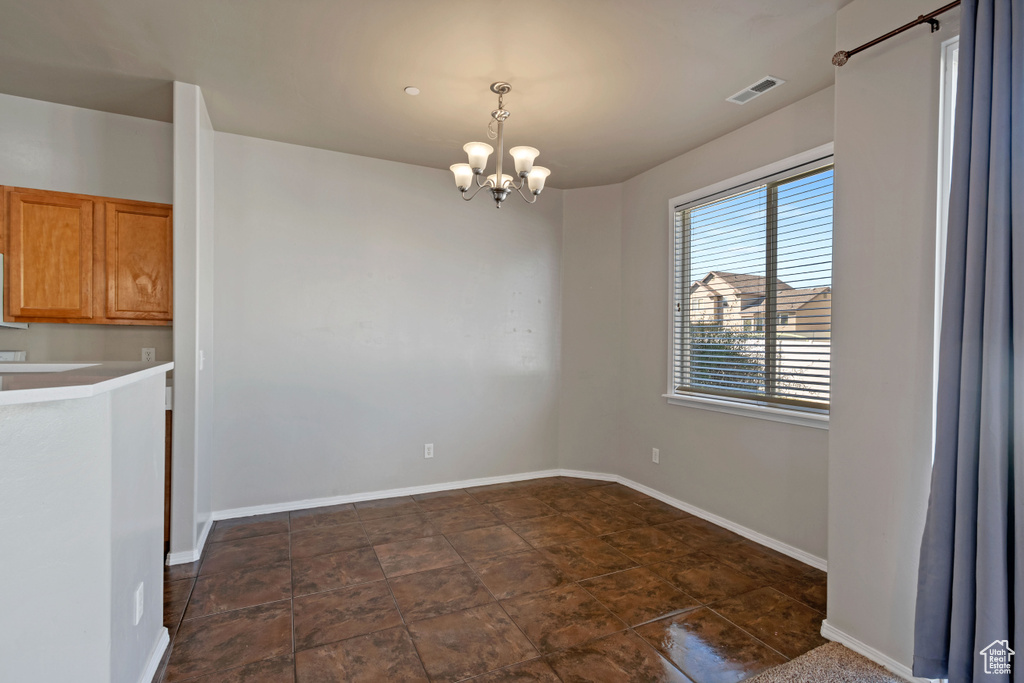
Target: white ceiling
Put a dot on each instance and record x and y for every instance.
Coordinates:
(604, 88)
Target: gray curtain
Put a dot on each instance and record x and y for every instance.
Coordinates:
(970, 579)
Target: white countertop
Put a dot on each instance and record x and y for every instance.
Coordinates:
(35, 382)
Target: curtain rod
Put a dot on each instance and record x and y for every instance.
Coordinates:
(843, 56)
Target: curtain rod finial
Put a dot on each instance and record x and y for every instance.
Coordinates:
(840, 58)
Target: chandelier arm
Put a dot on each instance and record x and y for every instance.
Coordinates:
(532, 199)
(480, 181)
(478, 188)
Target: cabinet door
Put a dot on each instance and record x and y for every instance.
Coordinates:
(50, 255)
(139, 261)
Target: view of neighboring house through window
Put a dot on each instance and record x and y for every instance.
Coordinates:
(753, 292)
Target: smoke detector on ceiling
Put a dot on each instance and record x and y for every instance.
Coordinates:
(759, 87)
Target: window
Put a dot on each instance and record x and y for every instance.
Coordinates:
(765, 243)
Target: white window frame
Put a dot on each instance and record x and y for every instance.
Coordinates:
(762, 410)
(947, 108)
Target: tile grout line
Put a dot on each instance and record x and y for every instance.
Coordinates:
(391, 592)
(747, 631)
(709, 607)
(725, 618)
(643, 640)
(291, 599)
(291, 603)
(540, 654)
(497, 601)
(184, 610)
(502, 522)
(405, 625)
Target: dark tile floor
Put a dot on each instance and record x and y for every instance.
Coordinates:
(546, 580)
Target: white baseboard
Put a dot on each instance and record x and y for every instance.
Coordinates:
(902, 670)
(597, 476)
(235, 513)
(186, 556)
(203, 535)
(183, 557)
(156, 654)
(755, 536)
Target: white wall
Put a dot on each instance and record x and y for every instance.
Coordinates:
(54, 510)
(886, 143)
(68, 149)
(364, 309)
(766, 476)
(136, 517)
(205, 453)
(589, 403)
(81, 521)
(193, 323)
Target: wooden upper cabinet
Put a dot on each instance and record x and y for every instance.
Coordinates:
(81, 259)
(49, 255)
(139, 261)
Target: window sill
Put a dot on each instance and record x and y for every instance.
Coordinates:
(755, 410)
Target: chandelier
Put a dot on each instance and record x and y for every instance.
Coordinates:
(500, 184)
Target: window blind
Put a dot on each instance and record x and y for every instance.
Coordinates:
(753, 292)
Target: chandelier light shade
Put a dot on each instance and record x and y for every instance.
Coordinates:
(478, 153)
(536, 179)
(463, 176)
(472, 173)
(524, 157)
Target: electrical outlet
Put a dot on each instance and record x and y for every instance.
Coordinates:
(655, 456)
(428, 450)
(139, 604)
(149, 355)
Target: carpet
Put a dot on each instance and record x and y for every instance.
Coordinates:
(829, 663)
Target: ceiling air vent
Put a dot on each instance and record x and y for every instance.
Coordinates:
(762, 86)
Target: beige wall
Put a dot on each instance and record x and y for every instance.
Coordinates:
(887, 110)
(193, 454)
(55, 147)
(767, 476)
(589, 411)
(363, 309)
(45, 342)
